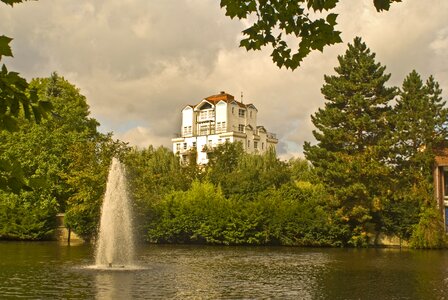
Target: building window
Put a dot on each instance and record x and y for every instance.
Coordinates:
(241, 113)
(248, 144)
(262, 146)
(255, 145)
(203, 129)
(241, 128)
(178, 147)
(233, 110)
(185, 146)
(187, 130)
(206, 115)
(194, 144)
(221, 126)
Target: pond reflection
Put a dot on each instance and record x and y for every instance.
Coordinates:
(114, 284)
(49, 271)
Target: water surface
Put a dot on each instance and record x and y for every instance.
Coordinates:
(49, 270)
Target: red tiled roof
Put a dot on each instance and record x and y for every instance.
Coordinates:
(223, 96)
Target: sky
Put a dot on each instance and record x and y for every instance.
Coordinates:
(139, 62)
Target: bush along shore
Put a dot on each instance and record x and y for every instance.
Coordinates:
(368, 173)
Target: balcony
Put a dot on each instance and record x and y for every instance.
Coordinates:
(271, 136)
(186, 151)
(207, 115)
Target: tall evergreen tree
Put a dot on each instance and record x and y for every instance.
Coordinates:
(418, 125)
(418, 121)
(351, 130)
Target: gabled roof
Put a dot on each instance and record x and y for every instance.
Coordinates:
(250, 105)
(200, 104)
(223, 96)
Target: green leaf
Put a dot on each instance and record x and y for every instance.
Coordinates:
(331, 19)
(9, 123)
(12, 2)
(5, 49)
(381, 5)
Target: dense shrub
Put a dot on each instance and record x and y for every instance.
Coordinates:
(295, 214)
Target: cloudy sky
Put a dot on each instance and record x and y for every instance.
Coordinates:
(139, 62)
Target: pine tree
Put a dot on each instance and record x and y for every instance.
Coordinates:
(418, 119)
(351, 129)
(418, 126)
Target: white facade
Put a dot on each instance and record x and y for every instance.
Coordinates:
(217, 119)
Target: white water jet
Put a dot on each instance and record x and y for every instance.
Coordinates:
(115, 243)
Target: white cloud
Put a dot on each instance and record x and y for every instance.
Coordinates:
(440, 44)
(139, 62)
(142, 138)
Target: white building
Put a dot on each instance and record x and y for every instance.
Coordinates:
(217, 119)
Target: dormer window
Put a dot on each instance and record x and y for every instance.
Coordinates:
(206, 105)
(241, 113)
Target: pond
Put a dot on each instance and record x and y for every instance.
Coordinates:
(48, 270)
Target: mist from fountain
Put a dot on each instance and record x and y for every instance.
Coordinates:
(116, 243)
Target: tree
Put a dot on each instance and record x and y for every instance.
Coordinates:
(15, 97)
(419, 121)
(86, 177)
(240, 173)
(223, 160)
(16, 100)
(418, 126)
(42, 154)
(351, 131)
(153, 173)
(302, 171)
(278, 19)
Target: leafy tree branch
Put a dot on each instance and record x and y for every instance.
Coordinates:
(276, 20)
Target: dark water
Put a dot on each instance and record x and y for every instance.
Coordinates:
(50, 271)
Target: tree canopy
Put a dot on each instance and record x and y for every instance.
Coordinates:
(375, 156)
(44, 155)
(350, 135)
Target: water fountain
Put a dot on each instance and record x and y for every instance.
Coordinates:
(115, 243)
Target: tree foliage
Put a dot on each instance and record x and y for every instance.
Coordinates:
(276, 20)
(42, 154)
(375, 158)
(418, 126)
(86, 179)
(351, 132)
(244, 174)
(16, 100)
(291, 215)
(429, 233)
